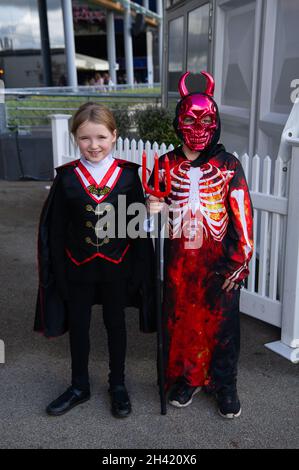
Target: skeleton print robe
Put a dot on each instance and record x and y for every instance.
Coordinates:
(209, 239)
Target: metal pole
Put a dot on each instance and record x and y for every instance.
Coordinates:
(3, 123)
(149, 51)
(160, 13)
(69, 42)
(255, 87)
(160, 352)
(128, 45)
(111, 45)
(149, 57)
(45, 42)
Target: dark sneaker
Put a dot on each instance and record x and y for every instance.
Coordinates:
(68, 400)
(228, 404)
(120, 401)
(182, 395)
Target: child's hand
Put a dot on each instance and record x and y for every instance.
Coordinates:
(154, 204)
(229, 285)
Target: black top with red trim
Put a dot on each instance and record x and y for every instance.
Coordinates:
(76, 217)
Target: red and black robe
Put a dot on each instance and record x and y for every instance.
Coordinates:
(210, 239)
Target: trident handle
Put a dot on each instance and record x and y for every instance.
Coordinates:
(160, 346)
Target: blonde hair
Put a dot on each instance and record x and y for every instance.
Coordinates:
(94, 112)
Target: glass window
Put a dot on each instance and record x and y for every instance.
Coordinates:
(175, 47)
(20, 44)
(198, 39)
(197, 47)
(238, 56)
(19, 25)
(286, 55)
(169, 3)
(57, 43)
(234, 137)
(55, 23)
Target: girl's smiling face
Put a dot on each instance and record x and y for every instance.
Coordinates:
(95, 141)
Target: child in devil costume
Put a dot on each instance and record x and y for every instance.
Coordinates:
(80, 265)
(206, 255)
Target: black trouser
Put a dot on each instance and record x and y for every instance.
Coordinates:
(224, 364)
(79, 307)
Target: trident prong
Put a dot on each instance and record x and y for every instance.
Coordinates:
(156, 191)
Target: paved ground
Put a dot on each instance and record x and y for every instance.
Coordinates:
(37, 370)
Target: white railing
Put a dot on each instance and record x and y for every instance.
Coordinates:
(262, 297)
(272, 291)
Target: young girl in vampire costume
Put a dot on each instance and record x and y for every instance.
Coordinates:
(79, 267)
(206, 255)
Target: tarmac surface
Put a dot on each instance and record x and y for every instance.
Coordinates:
(37, 370)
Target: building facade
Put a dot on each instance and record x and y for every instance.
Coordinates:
(252, 49)
(21, 40)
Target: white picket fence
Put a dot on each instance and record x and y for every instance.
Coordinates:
(64, 149)
(272, 291)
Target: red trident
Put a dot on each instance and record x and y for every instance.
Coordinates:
(157, 193)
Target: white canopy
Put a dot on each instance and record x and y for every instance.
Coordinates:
(85, 62)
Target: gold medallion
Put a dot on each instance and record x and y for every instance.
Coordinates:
(98, 191)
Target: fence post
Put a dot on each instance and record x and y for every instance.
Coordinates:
(288, 346)
(60, 137)
(3, 123)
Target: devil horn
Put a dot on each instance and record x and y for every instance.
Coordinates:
(182, 85)
(210, 84)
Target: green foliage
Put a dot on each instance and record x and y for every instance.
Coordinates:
(155, 124)
(123, 121)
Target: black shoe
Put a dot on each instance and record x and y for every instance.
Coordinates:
(228, 403)
(120, 401)
(182, 394)
(65, 402)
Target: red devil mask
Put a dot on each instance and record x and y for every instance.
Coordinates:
(197, 115)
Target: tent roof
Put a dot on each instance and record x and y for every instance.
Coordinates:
(85, 62)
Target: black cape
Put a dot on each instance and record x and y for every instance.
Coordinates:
(51, 315)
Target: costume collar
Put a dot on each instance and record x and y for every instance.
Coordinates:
(97, 165)
(203, 156)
